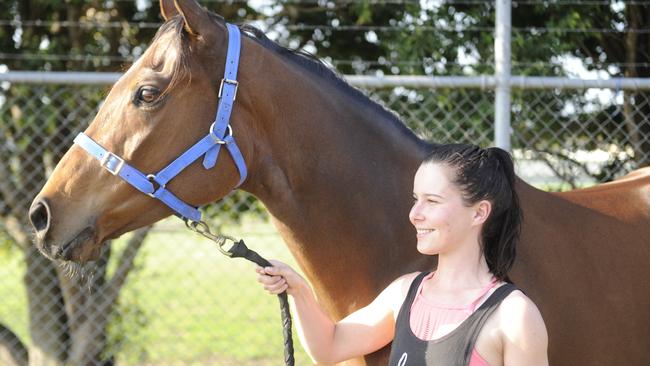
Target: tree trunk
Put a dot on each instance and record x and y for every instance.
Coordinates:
(12, 350)
(48, 321)
(90, 298)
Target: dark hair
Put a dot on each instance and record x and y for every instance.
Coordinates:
(487, 174)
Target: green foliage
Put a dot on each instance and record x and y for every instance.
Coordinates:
(85, 35)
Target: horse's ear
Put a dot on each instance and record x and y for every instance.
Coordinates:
(197, 20)
(168, 9)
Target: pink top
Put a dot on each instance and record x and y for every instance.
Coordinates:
(431, 320)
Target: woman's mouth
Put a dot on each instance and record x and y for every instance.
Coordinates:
(423, 232)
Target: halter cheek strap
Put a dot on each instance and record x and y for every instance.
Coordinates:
(209, 146)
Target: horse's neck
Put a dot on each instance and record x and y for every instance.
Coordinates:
(336, 174)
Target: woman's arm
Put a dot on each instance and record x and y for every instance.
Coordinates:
(525, 340)
(362, 332)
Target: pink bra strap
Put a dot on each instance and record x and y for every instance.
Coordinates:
(485, 290)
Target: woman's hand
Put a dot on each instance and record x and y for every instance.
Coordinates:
(279, 278)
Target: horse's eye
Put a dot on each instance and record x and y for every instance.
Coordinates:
(147, 94)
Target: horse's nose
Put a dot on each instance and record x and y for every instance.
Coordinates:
(39, 216)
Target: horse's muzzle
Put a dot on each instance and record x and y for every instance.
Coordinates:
(78, 248)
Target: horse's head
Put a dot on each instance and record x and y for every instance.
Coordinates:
(161, 106)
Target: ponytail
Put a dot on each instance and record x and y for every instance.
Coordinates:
(502, 230)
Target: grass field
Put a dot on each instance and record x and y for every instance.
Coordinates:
(185, 303)
(13, 299)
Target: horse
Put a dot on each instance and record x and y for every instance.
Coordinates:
(335, 171)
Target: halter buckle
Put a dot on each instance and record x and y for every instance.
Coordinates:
(107, 159)
(231, 82)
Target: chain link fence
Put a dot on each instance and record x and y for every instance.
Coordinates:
(182, 303)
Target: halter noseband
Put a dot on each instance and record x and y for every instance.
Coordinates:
(220, 134)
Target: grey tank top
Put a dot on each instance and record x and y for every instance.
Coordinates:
(453, 349)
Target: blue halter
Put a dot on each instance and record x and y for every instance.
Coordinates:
(155, 184)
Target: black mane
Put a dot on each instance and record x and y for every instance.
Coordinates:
(310, 62)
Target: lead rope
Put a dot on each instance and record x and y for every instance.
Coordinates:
(240, 250)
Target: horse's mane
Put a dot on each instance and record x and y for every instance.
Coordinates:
(315, 65)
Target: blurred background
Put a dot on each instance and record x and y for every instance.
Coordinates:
(164, 296)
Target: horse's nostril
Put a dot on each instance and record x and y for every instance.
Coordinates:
(39, 216)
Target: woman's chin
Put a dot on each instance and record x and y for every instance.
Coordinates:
(427, 248)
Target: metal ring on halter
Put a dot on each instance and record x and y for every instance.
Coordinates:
(217, 139)
(152, 178)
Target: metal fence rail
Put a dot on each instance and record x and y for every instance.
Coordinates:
(364, 81)
(183, 303)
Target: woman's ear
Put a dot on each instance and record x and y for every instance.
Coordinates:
(482, 211)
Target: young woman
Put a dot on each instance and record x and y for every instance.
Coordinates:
(464, 312)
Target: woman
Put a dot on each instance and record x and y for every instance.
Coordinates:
(466, 211)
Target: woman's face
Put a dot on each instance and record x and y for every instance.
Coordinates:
(441, 219)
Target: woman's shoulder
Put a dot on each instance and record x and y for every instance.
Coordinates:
(395, 293)
(521, 322)
(517, 306)
(408, 277)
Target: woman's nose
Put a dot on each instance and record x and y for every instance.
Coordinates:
(415, 214)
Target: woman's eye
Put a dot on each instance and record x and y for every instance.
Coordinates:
(147, 94)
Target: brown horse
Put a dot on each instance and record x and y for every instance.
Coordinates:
(335, 171)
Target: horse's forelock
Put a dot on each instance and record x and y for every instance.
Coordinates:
(170, 36)
(172, 33)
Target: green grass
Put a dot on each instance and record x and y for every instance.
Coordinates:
(13, 297)
(184, 303)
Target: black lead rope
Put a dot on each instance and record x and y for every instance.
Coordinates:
(240, 250)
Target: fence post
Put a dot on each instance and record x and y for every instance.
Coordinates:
(502, 128)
